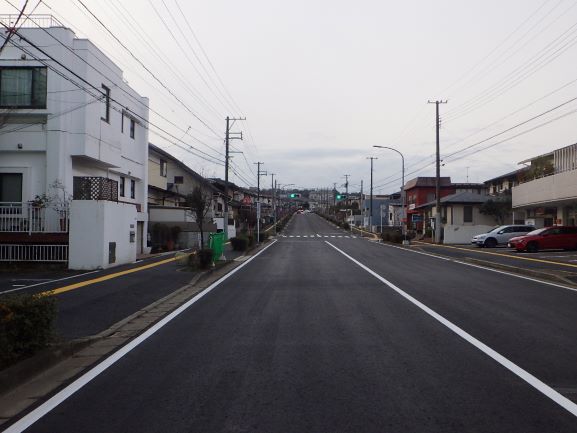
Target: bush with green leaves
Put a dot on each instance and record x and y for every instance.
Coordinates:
(26, 326)
(239, 243)
(205, 258)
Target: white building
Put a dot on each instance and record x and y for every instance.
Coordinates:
(70, 127)
(547, 192)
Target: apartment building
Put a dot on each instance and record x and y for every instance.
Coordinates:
(73, 152)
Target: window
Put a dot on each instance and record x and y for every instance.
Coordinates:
(163, 168)
(179, 180)
(121, 186)
(132, 127)
(132, 188)
(106, 106)
(22, 87)
(467, 214)
(10, 187)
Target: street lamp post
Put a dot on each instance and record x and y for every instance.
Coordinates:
(403, 198)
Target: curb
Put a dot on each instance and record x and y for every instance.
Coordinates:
(28, 383)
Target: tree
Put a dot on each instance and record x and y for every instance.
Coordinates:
(500, 208)
(200, 203)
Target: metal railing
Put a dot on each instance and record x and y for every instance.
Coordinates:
(31, 21)
(33, 253)
(26, 217)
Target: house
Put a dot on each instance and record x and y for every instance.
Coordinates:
(420, 191)
(504, 183)
(462, 217)
(547, 191)
(73, 152)
(386, 210)
(172, 223)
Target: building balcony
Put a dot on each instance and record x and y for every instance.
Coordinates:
(555, 189)
(27, 218)
(95, 188)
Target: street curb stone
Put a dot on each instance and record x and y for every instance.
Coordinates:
(30, 382)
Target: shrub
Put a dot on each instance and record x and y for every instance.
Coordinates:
(346, 226)
(262, 236)
(205, 258)
(26, 326)
(239, 244)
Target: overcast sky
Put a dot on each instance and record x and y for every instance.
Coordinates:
(320, 82)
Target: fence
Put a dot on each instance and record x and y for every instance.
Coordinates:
(33, 253)
(27, 218)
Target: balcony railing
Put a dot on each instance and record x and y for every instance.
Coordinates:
(25, 217)
(95, 188)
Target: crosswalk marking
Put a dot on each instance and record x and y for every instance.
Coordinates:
(320, 236)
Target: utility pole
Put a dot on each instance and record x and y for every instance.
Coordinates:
(362, 201)
(227, 137)
(438, 176)
(335, 198)
(346, 176)
(272, 199)
(372, 158)
(258, 174)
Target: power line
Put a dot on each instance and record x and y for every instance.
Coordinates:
(130, 95)
(147, 69)
(99, 94)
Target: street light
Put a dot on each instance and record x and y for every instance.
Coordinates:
(403, 198)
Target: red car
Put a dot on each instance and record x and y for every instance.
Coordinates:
(547, 238)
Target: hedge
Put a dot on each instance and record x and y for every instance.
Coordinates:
(26, 326)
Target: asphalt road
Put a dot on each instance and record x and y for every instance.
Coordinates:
(88, 310)
(341, 334)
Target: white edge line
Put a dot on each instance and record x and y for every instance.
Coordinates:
(545, 389)
(29, 419)
(498, 271)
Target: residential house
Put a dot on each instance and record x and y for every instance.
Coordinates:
(462, 217)
(73, 152)
(172, 223)
(547, 192)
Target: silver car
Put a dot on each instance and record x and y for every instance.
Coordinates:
(500, 235)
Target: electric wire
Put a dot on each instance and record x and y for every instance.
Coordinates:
(186, 107)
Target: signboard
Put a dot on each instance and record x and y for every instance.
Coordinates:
(416, 218)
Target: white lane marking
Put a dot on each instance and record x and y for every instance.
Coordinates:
(449, 259)
(298, 236)
(87, 377)
(318, 236)
(291, 236)
(50, 281)
(333, 236)
(326, 236)
(540, 386)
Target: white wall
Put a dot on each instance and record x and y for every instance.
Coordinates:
(459, 234)
(93, 224)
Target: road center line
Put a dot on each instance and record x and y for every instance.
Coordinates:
(546, 390)
(29, 419)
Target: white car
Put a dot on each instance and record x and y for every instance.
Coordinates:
(500, 235)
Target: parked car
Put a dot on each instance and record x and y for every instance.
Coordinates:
(500, 235)
(547, 238)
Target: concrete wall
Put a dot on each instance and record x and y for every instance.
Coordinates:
(459, 234)
(93, 225)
